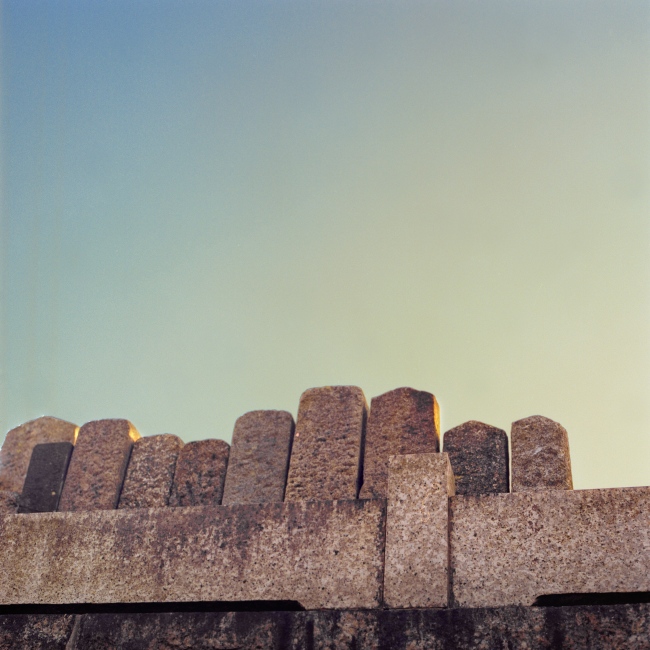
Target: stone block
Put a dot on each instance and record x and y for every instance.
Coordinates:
(328, 445)
(259, 458)
(417, 534)
(200, 473)
(540, 455)
(98, 464)
(478, 454)
(36, 631)
(320, 554)
(510, 549)
(150, 473)
(8, 502)
(402, 421)
(45, 476)
(19, 442)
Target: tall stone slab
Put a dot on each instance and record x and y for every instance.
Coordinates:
(150, 474)
(402, 421)
(259, 458)
(98, 464)
(479, 457)
(417, 570)
(328, 445)
(540, 455)
(19, 442)
(45, 477)
(200, 473)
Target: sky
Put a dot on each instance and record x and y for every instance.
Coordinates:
(209, 207)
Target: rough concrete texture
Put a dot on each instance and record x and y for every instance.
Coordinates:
(19, 442)
(35, 631)
(45, 476)
(623, 627)
(200, 473)
(321, 554)
(417, 550)
(97, 467)
(259, 458)
(540, 455)
(478, 454)
(509, 549)
(150, 474)
(402, 421)
(328, 445)
(8, 502)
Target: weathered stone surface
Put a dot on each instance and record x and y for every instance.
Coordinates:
(328, 445)
(540, 455)
(402, 421)
(509, 549)
(478, 454)
(150, 474)
(45, 476)
(35, 631)
(417, 549)
(259, 458)
(97, 467)
(19, 442)
(200, 473)
(321, 554)
(8, 502)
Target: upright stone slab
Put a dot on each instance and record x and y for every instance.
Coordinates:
(45, 477)
(540, 455)
(327, 446)
(200, 473)
(98, 465)
(19, 442)
(259, 458)
(402, 421)
(150, 474)
(479, 458)
(417, 531)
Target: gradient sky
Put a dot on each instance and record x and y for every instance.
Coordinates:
(208, 207)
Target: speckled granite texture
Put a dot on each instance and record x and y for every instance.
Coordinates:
(200, 473)
(508, 549)
(328, 445)
(322, 554)
(540, 455)
(149, 476)
(621, 627)
(97, 467)
(259, 458)
(478, 454)
(417, 551)
(19, 442)
(402, 421)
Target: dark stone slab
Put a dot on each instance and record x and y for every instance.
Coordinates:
(35, 631)
(402, 421)
(328, 445)
(259, 458)
(150, 474)
(540, 455)
(200, 473)
(45, 476)
(479, 458)
(98, 464)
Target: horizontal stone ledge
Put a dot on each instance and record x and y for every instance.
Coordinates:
(323, 555)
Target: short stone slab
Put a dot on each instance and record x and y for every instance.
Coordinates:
(540, 455)
(98, 465)
(259, 458)
(509, 549)
(417, 531)
(200, 473)
(321, 554)
(19, 442)
(45, 476)
(478, 454)
(36, 632)
(402, 421)
(327, 446)
(150, 474)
